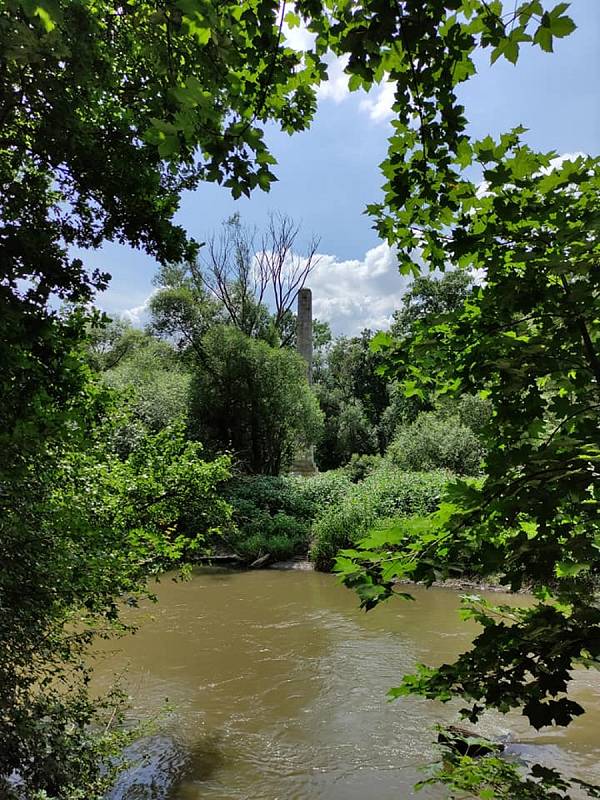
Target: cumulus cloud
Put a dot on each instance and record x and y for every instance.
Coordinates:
(356, 294)
(378, 104)
(138, 316)
(351, 295)
(336, 87)
(298, 38)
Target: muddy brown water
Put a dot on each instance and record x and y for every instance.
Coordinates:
(272, 686)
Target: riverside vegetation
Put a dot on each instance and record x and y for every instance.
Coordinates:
(126, 452)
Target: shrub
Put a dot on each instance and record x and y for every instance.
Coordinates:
(474, 411)
(325, 489)
(281, 535)
(437, 441)
(387, 492)
(274, 514)
(155, 388)
(271, 515)
(271, 494)
(361, 466)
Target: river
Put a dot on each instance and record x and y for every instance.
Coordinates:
(272, 686)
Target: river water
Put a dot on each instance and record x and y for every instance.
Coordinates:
(272, 685)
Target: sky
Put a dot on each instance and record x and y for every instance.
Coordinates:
(328, 174)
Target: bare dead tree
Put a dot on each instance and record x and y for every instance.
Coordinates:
(245, 278)
(287, 270)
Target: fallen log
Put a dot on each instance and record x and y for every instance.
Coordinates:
(259, 562)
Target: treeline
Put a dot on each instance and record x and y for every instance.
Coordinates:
(218, 364)
(215, 355)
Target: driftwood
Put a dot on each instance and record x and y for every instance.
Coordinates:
(261, 561)
(223, 558)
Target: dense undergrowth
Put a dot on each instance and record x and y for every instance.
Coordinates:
(286, 516)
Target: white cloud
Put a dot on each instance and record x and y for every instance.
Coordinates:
(336, 87)
(138, 315)
(298, 38)
(379, 103)
(350, 295)
(356, 294)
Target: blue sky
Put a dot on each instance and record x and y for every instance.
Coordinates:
(328, 174)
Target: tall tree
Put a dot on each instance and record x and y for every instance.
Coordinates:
(430, 297)
(528, 338)
(108, 112)
(253, 400)
(245, 274)
(353, 397)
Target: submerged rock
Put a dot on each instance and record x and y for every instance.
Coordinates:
(295, 563)
(155, 765)
(468, 743)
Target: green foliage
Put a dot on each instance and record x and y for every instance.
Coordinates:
(280, 535)
(360, 467)
(254, 400)
(352, 396)
(108, 113)
(154, 387)
(474, 411)
(282, 494)
(495, 778)
(109, 341)
(181, 310)
(81, 530)
(400, 411)
(430, 298)
(325, 489)
(354, 432)
(274, 514)
(387, 492)
(426, 49)
(527, 338)
(437, 440)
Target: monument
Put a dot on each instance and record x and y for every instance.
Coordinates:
(304, 463)
(304, 333)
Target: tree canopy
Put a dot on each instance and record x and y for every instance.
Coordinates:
(108, 113)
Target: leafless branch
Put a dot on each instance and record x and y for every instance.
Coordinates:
(244, 278)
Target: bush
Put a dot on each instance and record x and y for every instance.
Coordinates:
(81, 530)
(281, 535)
(270, 515)
(361, 466)
(387, 492)
(274, 514)
(271, 494)
(474, 411)
(437, 441)
(324, 490)
(154, 386)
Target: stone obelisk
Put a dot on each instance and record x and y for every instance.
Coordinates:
(304, 334)
(304, 463)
